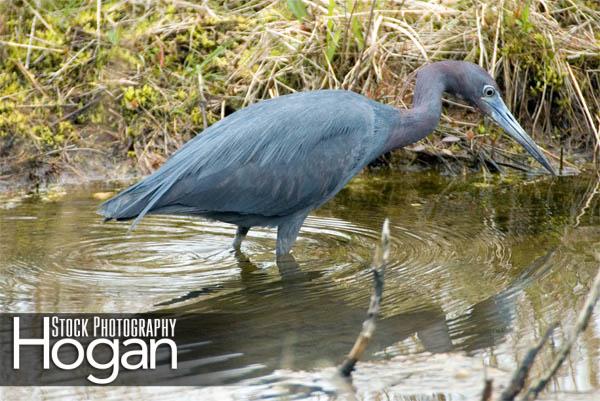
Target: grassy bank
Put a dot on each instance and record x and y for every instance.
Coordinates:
(132, 80)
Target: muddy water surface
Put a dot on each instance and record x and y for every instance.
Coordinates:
(481, 266)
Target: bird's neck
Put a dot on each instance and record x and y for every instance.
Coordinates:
(416, 123)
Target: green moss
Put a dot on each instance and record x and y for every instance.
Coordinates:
(65, 130)
(47, 137)
(134, 98)
(196, 117)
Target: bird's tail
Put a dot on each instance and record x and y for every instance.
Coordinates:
(128, 204)
(133, 203)
(137, 200)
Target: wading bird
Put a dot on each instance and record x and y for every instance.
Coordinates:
(273, 162)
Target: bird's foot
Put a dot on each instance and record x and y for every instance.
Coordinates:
(237, 243)
(240, 236)
(285, 258)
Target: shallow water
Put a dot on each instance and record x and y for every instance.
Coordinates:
(478, 265)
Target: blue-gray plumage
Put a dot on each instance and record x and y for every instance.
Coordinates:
(273, 162)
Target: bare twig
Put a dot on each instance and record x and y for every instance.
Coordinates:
(479, 22)
(367, 38)
(592, 191)
(202, 100)
(520, 376)
(582, 322)
(98, 21)
(16, 44)
(77, 112)
(492, 67)
(487, 390)
(31, 35)
(39, 16)
(380, 260)
(30, 77)
(586, 110)
(66, 65)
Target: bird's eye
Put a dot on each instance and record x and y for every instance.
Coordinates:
(489, 91)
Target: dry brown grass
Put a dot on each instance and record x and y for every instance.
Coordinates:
(138, 78)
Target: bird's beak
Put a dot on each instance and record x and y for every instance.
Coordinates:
(498, 111)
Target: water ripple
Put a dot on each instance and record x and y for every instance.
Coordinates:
(461, 260)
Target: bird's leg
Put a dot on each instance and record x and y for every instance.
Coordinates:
(240, 235)
(286, 236)
(290, 272)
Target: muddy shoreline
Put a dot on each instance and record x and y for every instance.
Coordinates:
(90, 167)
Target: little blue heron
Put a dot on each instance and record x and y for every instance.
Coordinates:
(273, 162)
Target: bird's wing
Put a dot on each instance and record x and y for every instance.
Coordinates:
(272, 159)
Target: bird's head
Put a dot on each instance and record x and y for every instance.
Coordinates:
(473, 84)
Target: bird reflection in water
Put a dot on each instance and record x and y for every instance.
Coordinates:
(293, 322)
